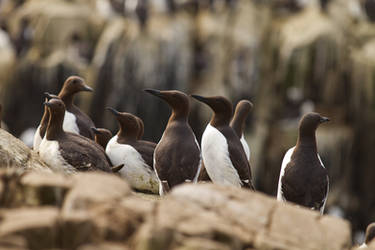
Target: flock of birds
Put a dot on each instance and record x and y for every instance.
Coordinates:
(68, 141)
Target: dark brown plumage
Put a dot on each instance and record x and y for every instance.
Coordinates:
(370, 233)
(72, 86)
(177, 155)
(102, 136)
(220, 120)
(305, 180)
(241, 112)
(77, 151)
(130, 130)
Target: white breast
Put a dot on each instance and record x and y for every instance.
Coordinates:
(135, 171)
(216, 158)
(70, 123)
(200, 162)
(285, 162)
(50, 154)
(245, 147)
(37, 140)
(363, 246)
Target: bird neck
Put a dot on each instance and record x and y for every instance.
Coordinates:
(307, 139)
(67, 98)
(219, 119)
(55, 126)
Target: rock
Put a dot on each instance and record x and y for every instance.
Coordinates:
(76, 228)
(13, 243)
(41, 189)
(207, 216)
(94, 188)
(14, 153)
(105, 245)
(37, 225)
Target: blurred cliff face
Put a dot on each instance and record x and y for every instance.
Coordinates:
(287, 56)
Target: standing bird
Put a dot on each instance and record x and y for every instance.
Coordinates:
(370, 235)
(238, 123)
(75, 120)
(102, 136)
(68, 152)
(136, 155)
(177, 157)
(222, 152)
(303, 177)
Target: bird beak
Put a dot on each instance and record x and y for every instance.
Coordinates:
(87, 88)
(114, 111)
(154, 92)
(96, 131)
(324, 119)
(200, 98)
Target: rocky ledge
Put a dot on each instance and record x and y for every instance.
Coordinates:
(99, 211)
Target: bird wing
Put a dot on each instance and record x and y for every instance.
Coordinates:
(285, 162)
(216, 158)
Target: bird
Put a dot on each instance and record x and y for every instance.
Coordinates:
(303, 178)
(136, 155)
(102, 136)
(370, 235)
(67, 152)
(241, 112)
(223, 155)
(177, 157)
(75, 120)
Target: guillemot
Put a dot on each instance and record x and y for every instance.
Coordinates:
(303, 177)
(136, 155)
(75, 120)
(222, 152)
(68, 152)
(238, 123)
(177, 156)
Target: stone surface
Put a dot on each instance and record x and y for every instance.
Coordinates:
(94, 188)
(99, 211)
(226, 218)
(37, 225)
(14, 153)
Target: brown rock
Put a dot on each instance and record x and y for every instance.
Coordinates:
(37, 225)
(13, 243)
(94, 188)
(44, 188)
(76, 228)
(208, 216)
(105, 245)
(14, 153)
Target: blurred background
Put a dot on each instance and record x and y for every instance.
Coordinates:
(288, 57)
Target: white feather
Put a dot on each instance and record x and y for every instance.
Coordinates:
(49, 152)
(161, 190)
(37, 140)
(362, 246)
(216, 158)
(70, 123)
(285, 162)
(195, 180)
(135, 171)
(245, 147)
